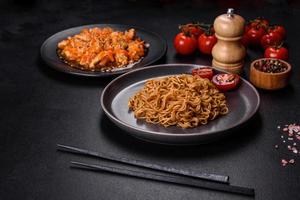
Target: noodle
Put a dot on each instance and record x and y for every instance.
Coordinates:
(182, 100)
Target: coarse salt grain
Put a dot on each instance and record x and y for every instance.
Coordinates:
(284, 162)
(292, 133)
(295, 151)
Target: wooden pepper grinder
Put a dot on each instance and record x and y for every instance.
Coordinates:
(228, 53)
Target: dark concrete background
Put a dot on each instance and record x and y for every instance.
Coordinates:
(41, 107)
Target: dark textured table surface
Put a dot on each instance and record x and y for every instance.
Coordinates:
(41, 107)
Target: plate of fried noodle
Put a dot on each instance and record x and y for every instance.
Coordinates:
(101, 50)
(167, 104)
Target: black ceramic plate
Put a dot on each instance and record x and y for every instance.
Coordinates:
(156, 50)
(242, 103)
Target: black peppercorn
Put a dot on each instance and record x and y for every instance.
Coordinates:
(270, 66)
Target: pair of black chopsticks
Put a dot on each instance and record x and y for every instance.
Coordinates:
(177, 176)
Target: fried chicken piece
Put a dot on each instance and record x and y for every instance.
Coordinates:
(101, 48)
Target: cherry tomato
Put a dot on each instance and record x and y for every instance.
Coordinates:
(192, 29)
(255, 34)
(278, 29)
(263, 22)
(226, 82)
(277, 52)
(206, 42)
(271, 39)
(185, 44)
(204, 72)
(196, 31)
(260, 21)
(245, 40)
(247, 28)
